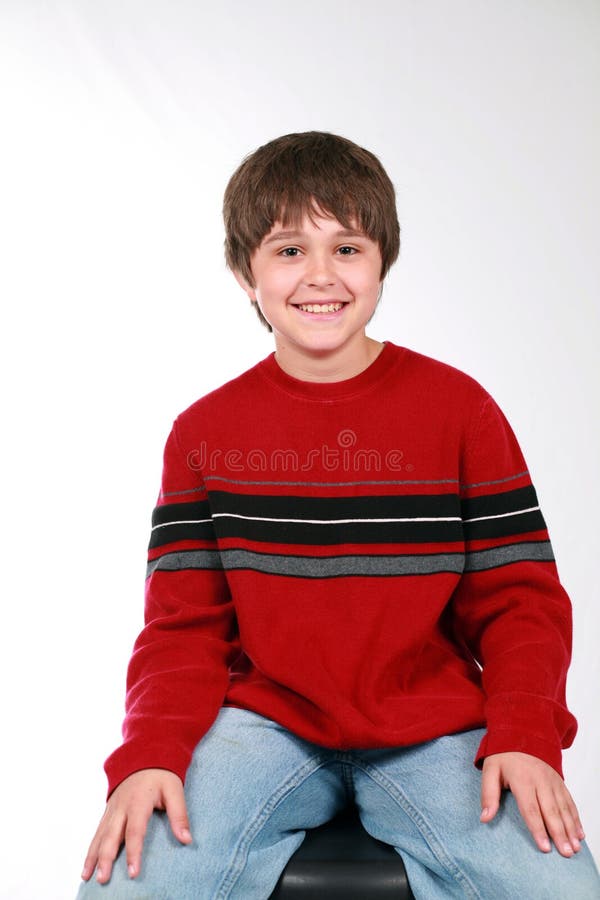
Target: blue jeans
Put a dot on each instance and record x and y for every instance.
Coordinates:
(253, 788)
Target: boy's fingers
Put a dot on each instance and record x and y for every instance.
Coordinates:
(106, 857)
(177, 812)
(490, 792)
(109, 842)
(91, 858)
(105, 863)
(559, 821)
(135, 833)
(529, 807)
(571, 818)
(541, 795)
(579, 832)
(90, 862)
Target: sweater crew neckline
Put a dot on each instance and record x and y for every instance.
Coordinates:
(334, 390)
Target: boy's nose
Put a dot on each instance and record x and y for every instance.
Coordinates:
(320, 271)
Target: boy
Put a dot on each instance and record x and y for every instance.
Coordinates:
(351, 592)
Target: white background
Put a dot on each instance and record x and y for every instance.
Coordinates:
(121, 123)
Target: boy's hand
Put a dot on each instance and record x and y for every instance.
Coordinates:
(541, 795)
(125, 818)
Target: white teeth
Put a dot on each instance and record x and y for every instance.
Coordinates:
(320, 307)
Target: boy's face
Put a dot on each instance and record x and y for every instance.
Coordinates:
(324, 266)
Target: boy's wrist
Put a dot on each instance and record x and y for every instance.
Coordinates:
(135, 755)
(506, 740)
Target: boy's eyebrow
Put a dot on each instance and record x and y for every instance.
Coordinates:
(284, 235)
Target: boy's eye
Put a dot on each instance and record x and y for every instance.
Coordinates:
(290, 252)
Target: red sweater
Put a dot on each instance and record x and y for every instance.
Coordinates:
(363, 561)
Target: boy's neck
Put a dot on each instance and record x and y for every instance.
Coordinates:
(335, 365)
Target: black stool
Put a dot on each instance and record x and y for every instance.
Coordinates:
(341, 861)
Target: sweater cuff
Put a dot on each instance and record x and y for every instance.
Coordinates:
(134, 755)
(505, 740)
(519, 721)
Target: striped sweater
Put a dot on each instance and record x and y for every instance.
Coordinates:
(363, 561)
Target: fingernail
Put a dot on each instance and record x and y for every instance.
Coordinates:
(98, 874)
(484, 812)
(545, 844)
(576, 844)
(131, 870)
(567, 848)
(185, 834)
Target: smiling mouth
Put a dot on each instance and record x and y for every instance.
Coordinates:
(320, 307)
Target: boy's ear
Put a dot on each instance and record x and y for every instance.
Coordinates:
(244, 285)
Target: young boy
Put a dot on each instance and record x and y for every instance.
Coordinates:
(351, 592)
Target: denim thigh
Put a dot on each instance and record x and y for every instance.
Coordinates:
(424, 800)
(252, 790)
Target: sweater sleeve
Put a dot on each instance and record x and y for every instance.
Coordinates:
(179, 670)
(510, 609)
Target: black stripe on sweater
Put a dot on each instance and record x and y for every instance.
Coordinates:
(312, 520)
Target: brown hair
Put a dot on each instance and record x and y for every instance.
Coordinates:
(289, 178)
